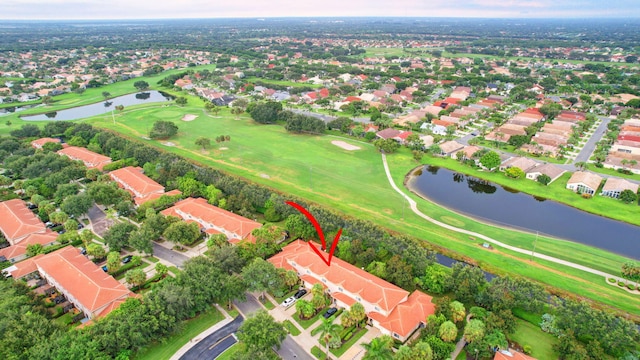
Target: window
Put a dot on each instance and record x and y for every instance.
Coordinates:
(377, 308)
(396, 336)
(340, 289)
(324, 280)
(358, 298)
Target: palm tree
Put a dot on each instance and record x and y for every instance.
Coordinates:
(448, 331)
(328, 332)
(580, 165)
(305, 309)
(379, 349)
(291, 279)
(358, 313)
(457, 311)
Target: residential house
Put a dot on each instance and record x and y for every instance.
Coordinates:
(552, 171)
(388, 133)
(90, 159)
(83, 283)
(523, 163)
(614, 186)
(141, 187)
(389, 308)
(17, 222)
(39, 143)
(584, 182)
(214, 220)
(467, 152)
(450, 148)
(434, 128)
(18, 251)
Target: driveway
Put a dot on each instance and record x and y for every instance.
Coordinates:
(99, 221)
(169, 255)
(290, 350)
(588, 148)
(216, 343)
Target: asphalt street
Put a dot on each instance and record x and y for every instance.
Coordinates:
(171, 256)
(216, 343)
(290, 350)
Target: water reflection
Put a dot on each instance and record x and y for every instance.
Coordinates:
(507, 207)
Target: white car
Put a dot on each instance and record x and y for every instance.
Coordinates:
(287, 302)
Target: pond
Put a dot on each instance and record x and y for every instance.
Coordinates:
(503, 206)
(103, 107)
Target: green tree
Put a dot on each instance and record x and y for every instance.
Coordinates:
(163, 130)
(490, 160)
(380, 348)
(291, 279)
(136, 277)
(77, 205)
(71, 225)
(260, 332)
(423, 351)
(182, 232)
(628, 196)
(106, 95)
(467, 281)
(457, 311)
(357, 312)
(233, 287)
(261, 275)
(141, 85)
(514, 172)
(387, 146)
(305, 309)
(96, 250)
(141, 239)
(113, 261)
(448, 331)
(436, 279)
(161, 269)
(34, 249)
(181, 101)
(474, 330)
(204, 142)
(543, 179)
(118, 235)
(328, 332)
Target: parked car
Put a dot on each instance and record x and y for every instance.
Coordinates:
(62, 231)
(83, 251)
(80, 226)
(105, 268)
(126, 259)
(330, 312)
(300, 293)
(288, 301)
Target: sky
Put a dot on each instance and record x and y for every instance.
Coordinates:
(159, 9)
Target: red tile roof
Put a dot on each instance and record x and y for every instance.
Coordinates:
(511, 355)
(353, 279)
(210, 216)
(17, 221)
(407, 316)
(89, 158)
(40, 142)
(20, 248)
(133, 179)
(82, 281)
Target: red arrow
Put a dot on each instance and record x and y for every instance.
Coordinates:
(315, 224)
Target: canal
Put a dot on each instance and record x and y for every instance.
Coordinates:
(502, 206)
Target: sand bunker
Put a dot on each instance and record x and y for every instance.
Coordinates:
(265, 176)
(344, 145)
(189, 117)
(168, 143)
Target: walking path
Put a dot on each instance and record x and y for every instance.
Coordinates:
(414, 207)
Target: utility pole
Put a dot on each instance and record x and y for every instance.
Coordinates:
(113, 116)
(535, 242)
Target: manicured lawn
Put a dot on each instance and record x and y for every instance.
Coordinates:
(191, 328)
(267, 303)
(342, 349)
(312, 168)
(174, 270)
(292, 329)
(462, 355)
(308, 322)
(541, 343)
(152, 259)
(142, 265)
(229, 353)
(318, 353)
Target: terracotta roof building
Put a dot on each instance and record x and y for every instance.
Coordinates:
(511, 355)
(214, 219)
(82, 282)
(138, 184)
(38, 144)
(17, 221)
(18, 251)
(584, 182)
(614, 186)
(390, 308)
(90, 159)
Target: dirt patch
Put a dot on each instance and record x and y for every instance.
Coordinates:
(168, 143)
(223, 148)
(345, 145)
(189, 117)
(265, 176)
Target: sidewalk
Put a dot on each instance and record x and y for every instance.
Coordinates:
(204, 334)
(305, 340)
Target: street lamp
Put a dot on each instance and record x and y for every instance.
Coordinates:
(476, 350)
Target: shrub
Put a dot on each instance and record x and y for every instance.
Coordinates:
(527, 349)
(631, 287)
(621, 284)
(612, 280)
(586, 196)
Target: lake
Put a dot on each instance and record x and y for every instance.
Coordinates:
(82, 112)
(502, 206)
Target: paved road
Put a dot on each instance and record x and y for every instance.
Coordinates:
(99, 221)
(214, 344)
(290, 350)
(414, 208)
(171, 256)
(249, 306)
(588, 148)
